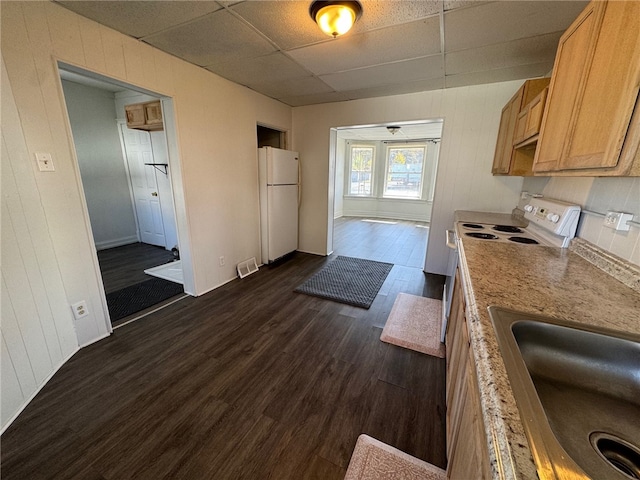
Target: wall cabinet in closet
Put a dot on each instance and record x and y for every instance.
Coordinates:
(144, 116)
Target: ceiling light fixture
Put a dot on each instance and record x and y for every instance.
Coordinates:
(393, 130)
(335, 17)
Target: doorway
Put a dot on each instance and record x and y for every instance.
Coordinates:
(128, 198)
(271, 137)
(383, 190)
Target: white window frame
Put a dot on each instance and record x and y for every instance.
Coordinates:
(391, 146)
(372, 191)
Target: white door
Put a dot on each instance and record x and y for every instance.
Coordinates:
(137, 145)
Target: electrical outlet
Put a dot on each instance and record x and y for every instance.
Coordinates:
(617, 221)
(221, 261)
(80, 309)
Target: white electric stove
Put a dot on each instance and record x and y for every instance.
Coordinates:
(551, 223)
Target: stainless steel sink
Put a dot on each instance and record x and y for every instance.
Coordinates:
(578, 392)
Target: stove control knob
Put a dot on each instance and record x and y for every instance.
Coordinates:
(528, 208)
(553, 217)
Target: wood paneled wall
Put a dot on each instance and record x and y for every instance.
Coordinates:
(48, 256)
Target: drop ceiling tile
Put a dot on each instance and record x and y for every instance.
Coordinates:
(398, 89)
(217, 38)
(140, 18)
(286, 23)
(499, 75)
(453, 4)
(499, 22)
(411, 40)
(292, 87)
(269, 68)
(289, 25)
(390, 73)
(531, 50)
(302, 100)
(384, 13)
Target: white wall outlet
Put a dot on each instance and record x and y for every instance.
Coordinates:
(80, 309)
(617, 221)
(221, 261)
(45, 162)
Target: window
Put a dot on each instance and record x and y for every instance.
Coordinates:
(404, 172)
(361, 171)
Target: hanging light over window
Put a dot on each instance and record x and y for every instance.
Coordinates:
(393, 130)
(335, 17)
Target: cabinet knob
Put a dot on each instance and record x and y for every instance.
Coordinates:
(154, 194)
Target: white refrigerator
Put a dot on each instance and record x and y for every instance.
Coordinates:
(279, 188)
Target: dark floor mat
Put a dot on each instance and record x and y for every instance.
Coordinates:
(349, 280)
(135, 298)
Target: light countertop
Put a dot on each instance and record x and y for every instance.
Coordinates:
(551, 281)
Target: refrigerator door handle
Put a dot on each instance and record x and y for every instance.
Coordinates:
(299, 183)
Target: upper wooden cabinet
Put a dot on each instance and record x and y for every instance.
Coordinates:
(589, 127)
(144, 116)
(508, 160)
(529, 121)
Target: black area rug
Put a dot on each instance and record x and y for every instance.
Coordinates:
(135, 298)
(349, 280)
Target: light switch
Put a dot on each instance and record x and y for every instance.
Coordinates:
(45, 162)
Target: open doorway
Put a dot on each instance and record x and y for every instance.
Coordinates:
(384, 187)
(128, 194)
(271, 137)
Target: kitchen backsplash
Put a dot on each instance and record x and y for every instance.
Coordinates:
(596, 195)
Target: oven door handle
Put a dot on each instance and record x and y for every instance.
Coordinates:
(451, 239)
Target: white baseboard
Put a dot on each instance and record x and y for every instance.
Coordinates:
(117, 242)
(394, 215)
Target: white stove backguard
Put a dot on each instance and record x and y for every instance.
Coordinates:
(553, 220)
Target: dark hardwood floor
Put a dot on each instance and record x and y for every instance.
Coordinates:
(124, 266)
(249, 381)
(400, 242)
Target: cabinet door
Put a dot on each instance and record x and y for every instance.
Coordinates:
(608, 96)
(470, 458)
(521, 126)
(568, 69)
(153, 113)
(135, 115)
(534, 115)
(504, 144)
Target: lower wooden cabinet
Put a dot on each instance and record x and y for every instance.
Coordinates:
(467, 451)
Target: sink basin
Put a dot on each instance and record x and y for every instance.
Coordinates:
(577, 389)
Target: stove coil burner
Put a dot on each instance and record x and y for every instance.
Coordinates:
(484, 236)
(529, 241)
(473, 226)
(507, 229)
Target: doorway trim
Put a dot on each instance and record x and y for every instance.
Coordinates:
(175, 178)
(333, 152)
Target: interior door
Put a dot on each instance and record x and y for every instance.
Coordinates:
(137, 145)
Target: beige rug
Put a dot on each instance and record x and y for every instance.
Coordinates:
(415, 323)
(374, 460)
